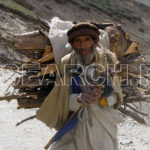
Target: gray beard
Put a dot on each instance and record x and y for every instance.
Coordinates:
(85, 59)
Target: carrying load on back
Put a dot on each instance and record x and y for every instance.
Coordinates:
(80, 54)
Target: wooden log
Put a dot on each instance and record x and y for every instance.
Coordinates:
(31, 41)
(118, 42)
(133, 48)
(28, 103)
(48, 49)
(134, 89)
(137, 111)
(45, 58)
(135, 76)
(146, 91)
(37, 92)
(32, 117)
(32, 66)
(27, 34)
(133, 115)
(10, 97)
(30, 84)
(133, 61)
(50, 69)
(128, 90)
(129, 65)
(136, 99)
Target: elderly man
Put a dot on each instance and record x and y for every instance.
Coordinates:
(93, 125)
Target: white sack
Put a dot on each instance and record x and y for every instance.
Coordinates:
(58, 37)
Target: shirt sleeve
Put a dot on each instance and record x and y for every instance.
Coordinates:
(112, 100)
(74, 105)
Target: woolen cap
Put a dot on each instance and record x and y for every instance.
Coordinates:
(82, 28)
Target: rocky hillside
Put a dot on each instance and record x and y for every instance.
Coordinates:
(133, 15)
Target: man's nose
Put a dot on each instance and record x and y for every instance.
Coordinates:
(83, 44)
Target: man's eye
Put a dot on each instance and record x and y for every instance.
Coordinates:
(87, 39)
(77, 41)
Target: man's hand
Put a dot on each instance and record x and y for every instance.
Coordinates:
(92, 95)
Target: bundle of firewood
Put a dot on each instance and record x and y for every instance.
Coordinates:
(39, 71)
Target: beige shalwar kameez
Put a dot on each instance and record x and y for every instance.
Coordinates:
(97, 129)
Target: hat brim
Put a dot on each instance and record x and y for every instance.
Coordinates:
(82, 32)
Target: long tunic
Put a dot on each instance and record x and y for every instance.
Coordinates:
(96, 129)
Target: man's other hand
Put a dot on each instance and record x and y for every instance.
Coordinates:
(92, 95)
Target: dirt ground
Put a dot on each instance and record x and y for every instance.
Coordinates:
(34, 135)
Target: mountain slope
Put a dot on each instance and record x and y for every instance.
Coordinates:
(133, 15)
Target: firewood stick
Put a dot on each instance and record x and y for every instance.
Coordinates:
(8, 88)
(131, 62)
(137, 99)
(46, 58)
(133, 48)
(132, 115)
(8, 98)
(48, 49)
(144, 114)
(9, 77)
(32, 117)
(28, 34)
(35, 42)
(47, 70)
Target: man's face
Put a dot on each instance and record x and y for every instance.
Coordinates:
(83, 44)
(84, 47)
